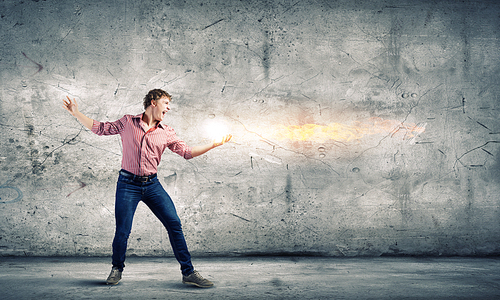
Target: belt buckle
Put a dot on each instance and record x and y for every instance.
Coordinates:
(143, 178)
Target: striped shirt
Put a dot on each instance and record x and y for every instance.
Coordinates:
(142, 150)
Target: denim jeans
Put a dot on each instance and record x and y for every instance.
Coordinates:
(128, 195)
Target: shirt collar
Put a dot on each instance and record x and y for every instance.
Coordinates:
(139, 117)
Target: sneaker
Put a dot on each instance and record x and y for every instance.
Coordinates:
(114, 276)
(196, 279)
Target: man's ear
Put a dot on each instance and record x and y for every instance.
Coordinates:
(153, 102)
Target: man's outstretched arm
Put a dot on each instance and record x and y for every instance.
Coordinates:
(199, 150)
(72, 107)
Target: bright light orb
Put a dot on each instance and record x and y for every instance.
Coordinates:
(216, 130)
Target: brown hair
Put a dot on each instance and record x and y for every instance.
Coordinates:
(155, 94)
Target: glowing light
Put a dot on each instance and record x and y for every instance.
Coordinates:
(216, 130)
(346, 133)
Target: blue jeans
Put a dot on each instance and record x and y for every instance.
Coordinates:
(129, 193)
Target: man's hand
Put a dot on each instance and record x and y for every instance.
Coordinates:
(224, 140)
(199, 150)
(71, 106)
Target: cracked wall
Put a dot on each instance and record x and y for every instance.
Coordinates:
(360, 128)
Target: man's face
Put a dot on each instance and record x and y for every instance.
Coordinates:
(161, 107)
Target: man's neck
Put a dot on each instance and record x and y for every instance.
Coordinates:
(148, 119)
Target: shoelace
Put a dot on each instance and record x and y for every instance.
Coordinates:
(199, 277)
(115, 273)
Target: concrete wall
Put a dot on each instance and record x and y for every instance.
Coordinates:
(360, 127)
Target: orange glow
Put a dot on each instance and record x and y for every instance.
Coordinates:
(346, 133)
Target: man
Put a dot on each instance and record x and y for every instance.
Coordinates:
(144, 139)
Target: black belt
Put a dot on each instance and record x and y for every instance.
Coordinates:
(135, 177)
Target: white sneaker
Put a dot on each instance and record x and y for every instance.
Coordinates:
(196, 279)
(114, 276)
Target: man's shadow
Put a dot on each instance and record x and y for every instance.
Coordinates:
(168, 285)
(93, 282)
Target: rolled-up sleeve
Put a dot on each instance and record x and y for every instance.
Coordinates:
(177, 145)
(181, 148)
(109, 128)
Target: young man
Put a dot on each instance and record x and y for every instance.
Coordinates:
(144, 139)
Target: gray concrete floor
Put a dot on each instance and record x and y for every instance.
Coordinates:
(254, 278)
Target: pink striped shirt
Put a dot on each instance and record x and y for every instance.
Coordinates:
(142, 150)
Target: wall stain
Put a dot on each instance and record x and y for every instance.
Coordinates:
(240, 217)
(82, 185)
(40, 67)
(288, 194)
(17, 199)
